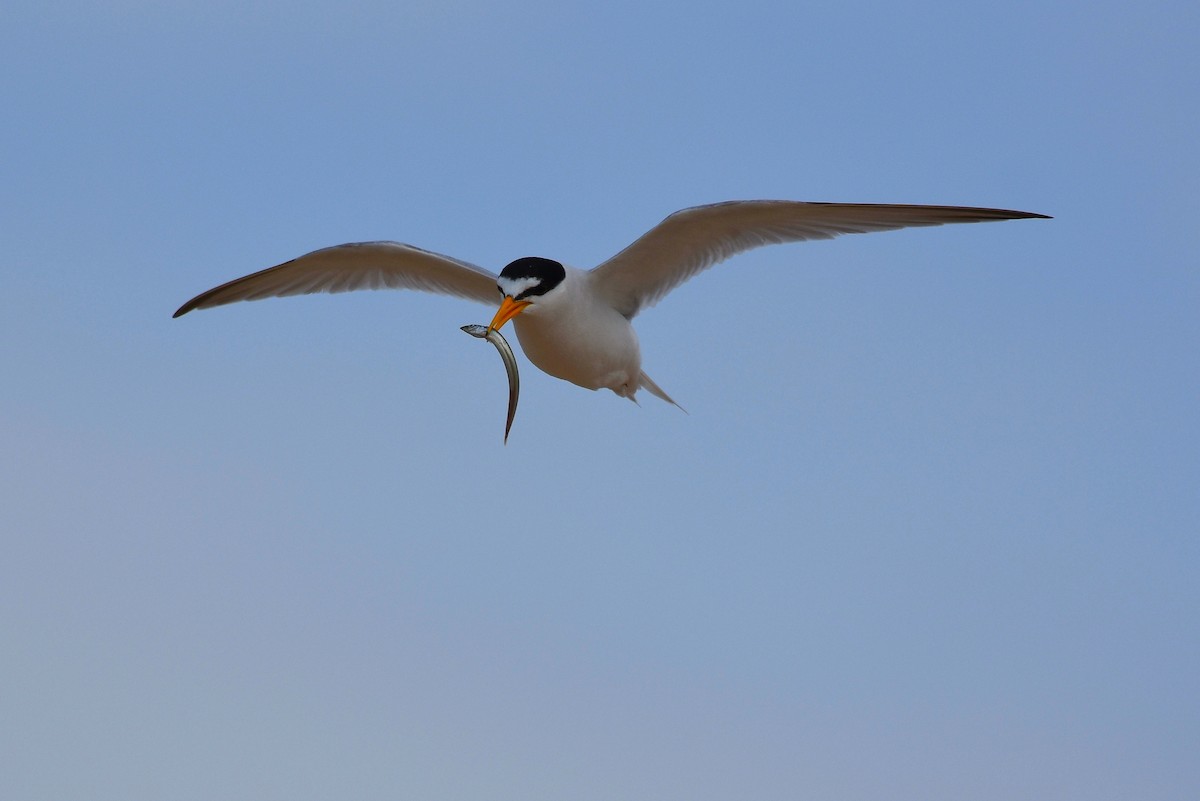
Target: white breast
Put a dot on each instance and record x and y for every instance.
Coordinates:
(572, 335)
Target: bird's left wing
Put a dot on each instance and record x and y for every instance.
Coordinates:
(359, 265)
(692, 240)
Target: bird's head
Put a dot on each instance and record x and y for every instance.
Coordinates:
(525, 283)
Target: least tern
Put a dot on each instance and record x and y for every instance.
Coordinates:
(577, 324)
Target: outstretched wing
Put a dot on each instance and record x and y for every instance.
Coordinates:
(359, 265)
(692, 240)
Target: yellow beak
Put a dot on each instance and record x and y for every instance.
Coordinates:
(509, 309)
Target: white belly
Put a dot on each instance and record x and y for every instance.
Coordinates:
(595, 348)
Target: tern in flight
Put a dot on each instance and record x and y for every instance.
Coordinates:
(576, 324)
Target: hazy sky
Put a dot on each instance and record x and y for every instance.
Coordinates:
(929, 530)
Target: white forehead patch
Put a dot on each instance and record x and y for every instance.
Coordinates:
(515, 286)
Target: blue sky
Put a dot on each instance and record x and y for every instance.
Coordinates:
(929, 530)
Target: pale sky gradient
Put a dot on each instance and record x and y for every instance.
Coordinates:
(930, 530)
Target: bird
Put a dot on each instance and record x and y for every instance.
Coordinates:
(576, 324)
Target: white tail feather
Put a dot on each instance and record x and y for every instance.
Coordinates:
(646, 383)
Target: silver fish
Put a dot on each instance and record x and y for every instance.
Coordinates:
(510, 364)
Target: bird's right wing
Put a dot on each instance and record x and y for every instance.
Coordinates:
(359, 265)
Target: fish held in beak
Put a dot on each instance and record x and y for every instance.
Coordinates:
(506, 353)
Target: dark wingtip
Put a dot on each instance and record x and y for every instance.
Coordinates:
(1012, 214)
(194, 303)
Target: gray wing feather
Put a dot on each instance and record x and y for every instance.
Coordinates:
(359, 265)
(692, 240)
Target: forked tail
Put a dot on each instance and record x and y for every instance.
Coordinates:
(647, 383)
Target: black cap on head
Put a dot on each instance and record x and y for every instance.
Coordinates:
(531, 276)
